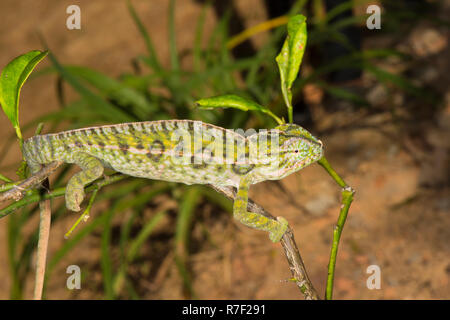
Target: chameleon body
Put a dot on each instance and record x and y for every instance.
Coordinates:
(186, 151)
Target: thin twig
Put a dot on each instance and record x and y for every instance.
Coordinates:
(107, 180)
(18, 191)
(347, 198)
(44, 234)
(291, 251)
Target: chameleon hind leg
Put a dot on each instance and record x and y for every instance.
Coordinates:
(276, 228)
(92, 169)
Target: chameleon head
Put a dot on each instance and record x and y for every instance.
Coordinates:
(297, 148)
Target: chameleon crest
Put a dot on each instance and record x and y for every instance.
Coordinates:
(186, 151)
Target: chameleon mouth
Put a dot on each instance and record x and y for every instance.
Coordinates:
(302, 163)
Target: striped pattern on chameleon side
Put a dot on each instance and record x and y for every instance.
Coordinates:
(142, 149)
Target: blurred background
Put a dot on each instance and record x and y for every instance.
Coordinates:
(379, 99)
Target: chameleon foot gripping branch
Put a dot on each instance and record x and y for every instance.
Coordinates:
(186, 151)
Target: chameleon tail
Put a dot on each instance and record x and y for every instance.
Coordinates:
(92, 169)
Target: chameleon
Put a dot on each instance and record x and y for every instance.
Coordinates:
(185, 151)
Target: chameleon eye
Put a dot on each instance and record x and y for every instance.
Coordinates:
(296, 151)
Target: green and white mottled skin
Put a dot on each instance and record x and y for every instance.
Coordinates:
(148, 150)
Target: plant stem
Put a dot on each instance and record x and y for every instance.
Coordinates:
(85, 215)
(347, 198)
(288, 101)
(326, 165)
(44, 233)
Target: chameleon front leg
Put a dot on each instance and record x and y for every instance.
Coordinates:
(34, 167)
(276, 228)
(92, 169)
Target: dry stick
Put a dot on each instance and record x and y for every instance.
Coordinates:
(18, 191)
(44, 234)
(347, 198)
(291, 251)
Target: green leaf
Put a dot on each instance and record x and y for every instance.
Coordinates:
(233, 101)
(3, 178)
(12, 79)
(112, 88)
(291, 56)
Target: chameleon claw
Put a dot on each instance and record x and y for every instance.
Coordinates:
(277, 234)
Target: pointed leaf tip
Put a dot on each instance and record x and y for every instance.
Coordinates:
(290, 57)
(12, 79)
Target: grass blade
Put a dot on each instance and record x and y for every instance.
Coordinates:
(107, 110)
(148, 41)
(188, 205)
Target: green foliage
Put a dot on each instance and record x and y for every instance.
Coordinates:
(5, 179)
(12, 79)
(291, 56)
(289, 60)
(104, 109)
(234, 101)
